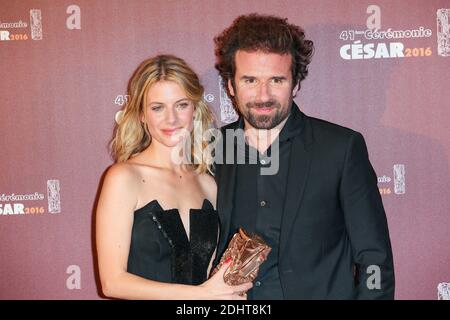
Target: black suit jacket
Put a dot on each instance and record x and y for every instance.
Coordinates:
(334, 233)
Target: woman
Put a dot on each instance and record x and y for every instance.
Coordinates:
(157, 227)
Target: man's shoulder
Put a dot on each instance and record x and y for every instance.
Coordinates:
(334, 139)
(321, 124)
(327, 129)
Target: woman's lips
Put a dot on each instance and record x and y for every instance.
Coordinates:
(170, 132)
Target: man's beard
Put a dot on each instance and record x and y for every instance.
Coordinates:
(269, 121)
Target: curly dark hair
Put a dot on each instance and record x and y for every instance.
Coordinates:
(255, 32)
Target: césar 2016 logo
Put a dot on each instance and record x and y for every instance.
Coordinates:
(380, 50)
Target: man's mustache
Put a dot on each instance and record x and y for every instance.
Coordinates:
(266, 104)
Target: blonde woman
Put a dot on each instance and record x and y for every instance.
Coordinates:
(157, 227)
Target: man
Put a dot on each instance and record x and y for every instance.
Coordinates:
(321, 212)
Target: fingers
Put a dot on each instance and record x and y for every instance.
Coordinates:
(242, 296)
(240, 291)
(224, 267)
(243, 287)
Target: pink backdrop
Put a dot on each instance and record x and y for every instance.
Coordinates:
(64, 71)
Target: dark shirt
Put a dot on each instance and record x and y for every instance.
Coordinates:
(259, 203)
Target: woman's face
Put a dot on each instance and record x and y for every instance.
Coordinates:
(168, 113)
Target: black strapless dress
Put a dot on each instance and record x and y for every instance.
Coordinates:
(160, 249)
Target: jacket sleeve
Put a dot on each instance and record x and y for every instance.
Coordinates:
(366, 224)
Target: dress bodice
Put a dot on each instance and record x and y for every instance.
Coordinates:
(160, 249)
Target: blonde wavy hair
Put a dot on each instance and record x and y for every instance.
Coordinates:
(131, 136)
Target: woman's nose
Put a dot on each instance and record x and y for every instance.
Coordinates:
(171, 116)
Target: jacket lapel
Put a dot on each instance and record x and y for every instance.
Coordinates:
(225, 202)
(299, 164)
(226, 185)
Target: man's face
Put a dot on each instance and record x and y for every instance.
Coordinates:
(263, 88)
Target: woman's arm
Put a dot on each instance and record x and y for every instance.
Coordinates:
(114, 218)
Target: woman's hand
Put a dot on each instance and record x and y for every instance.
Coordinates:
(215, 288)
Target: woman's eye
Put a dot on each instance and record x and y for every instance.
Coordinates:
(183, 105)
(156, 108)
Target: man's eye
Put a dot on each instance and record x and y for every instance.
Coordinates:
(249, 81)
(277, 81)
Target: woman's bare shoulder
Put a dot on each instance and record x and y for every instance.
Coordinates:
(123, 176)
(120, 189)
(123, 171)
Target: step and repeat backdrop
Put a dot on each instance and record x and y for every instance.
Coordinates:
(381, 67)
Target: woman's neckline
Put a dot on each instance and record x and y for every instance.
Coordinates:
(206, 205)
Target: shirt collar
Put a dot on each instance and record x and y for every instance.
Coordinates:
(292, 127)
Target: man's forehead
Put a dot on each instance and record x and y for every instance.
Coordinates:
(260, 62)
